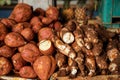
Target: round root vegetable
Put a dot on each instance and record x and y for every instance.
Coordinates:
(3, 31)
(39, 12)
(8, 22)
(45, 33)
(14, 39)
(21, 13)
(6, 51)
(46, 20)
(29, 52)
(20, 26)
(52, 12)
(28, 34)
(18, 61)
(46, 47)
(57, 26)
(5, 66)
(44, 66)
(27, 72)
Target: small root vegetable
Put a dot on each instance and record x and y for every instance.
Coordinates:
(6, 51)
(14, 39)
(28, 34)
(46, 47)
(29, 52)
(64, 48)
(76, 47)
(45, 33)
(52, 12)
(43, 67)
(57, 26)
(88, 45)
(90, 64)
(46, 20)
(3, 31)
(20, 26)
(39, 12)
(5, 66)
(27, 72)
(9, 23)
(61, 59)
(21, 13)
(18, 61)
(71, 25)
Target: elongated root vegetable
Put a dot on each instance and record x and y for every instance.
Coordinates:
(66, 36)
(27, 72)
(14, 39)
(64, 48)
(5, 66)
(46, 47)
(18, 61)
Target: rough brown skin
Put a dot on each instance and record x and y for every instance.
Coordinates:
(9, 23)
(46, 47)
(36, 24)
(27, 72)
(5, 66)
(18, 61)
(14, 39)
(29, 52)
(43, 67)
(46, 20)
(57, 26)
(39, 12)
(6, 51)
(71, 25)
(3, 31)
(28, 34)
(52, 12)
(21, 13)
(20, 26)
(45, 33)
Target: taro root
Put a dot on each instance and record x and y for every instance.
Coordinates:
(18, 61)
(9, 23)
(57, 26)
(5, 66)
(46, 20)
(45, 33)
(21, 13)
(14, 39)
(20, 26)
(44, 66)
(28, 34)
(39, 12)
(46, 47)
(29, 52)
(3, 31)
(27, 72)
(6, 51)
(52, 12)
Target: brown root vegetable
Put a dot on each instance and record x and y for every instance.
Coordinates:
(14, 39)
(27, 72)
(28, 34)
(29, 52)
(9, 23)
(71, 25)
(39, 12)
(21, 13)
(67, 36)
(64, 48)
(112, 54)
(36, 24)
(6, 51)
(45, 33)
(20, 26)
(76, 47)
(46, 20)
(90, 64)
(46, 47)
(88, 45)
(43, 67)
(57, 26)
(18, 61)
(52, 12)
(3, 31)
(5, 66)
(61, 59)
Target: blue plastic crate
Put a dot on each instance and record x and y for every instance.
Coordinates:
(109, 13)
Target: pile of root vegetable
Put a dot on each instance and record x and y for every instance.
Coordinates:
(35, 44)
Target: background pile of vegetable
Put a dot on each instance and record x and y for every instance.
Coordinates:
(35, 44)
